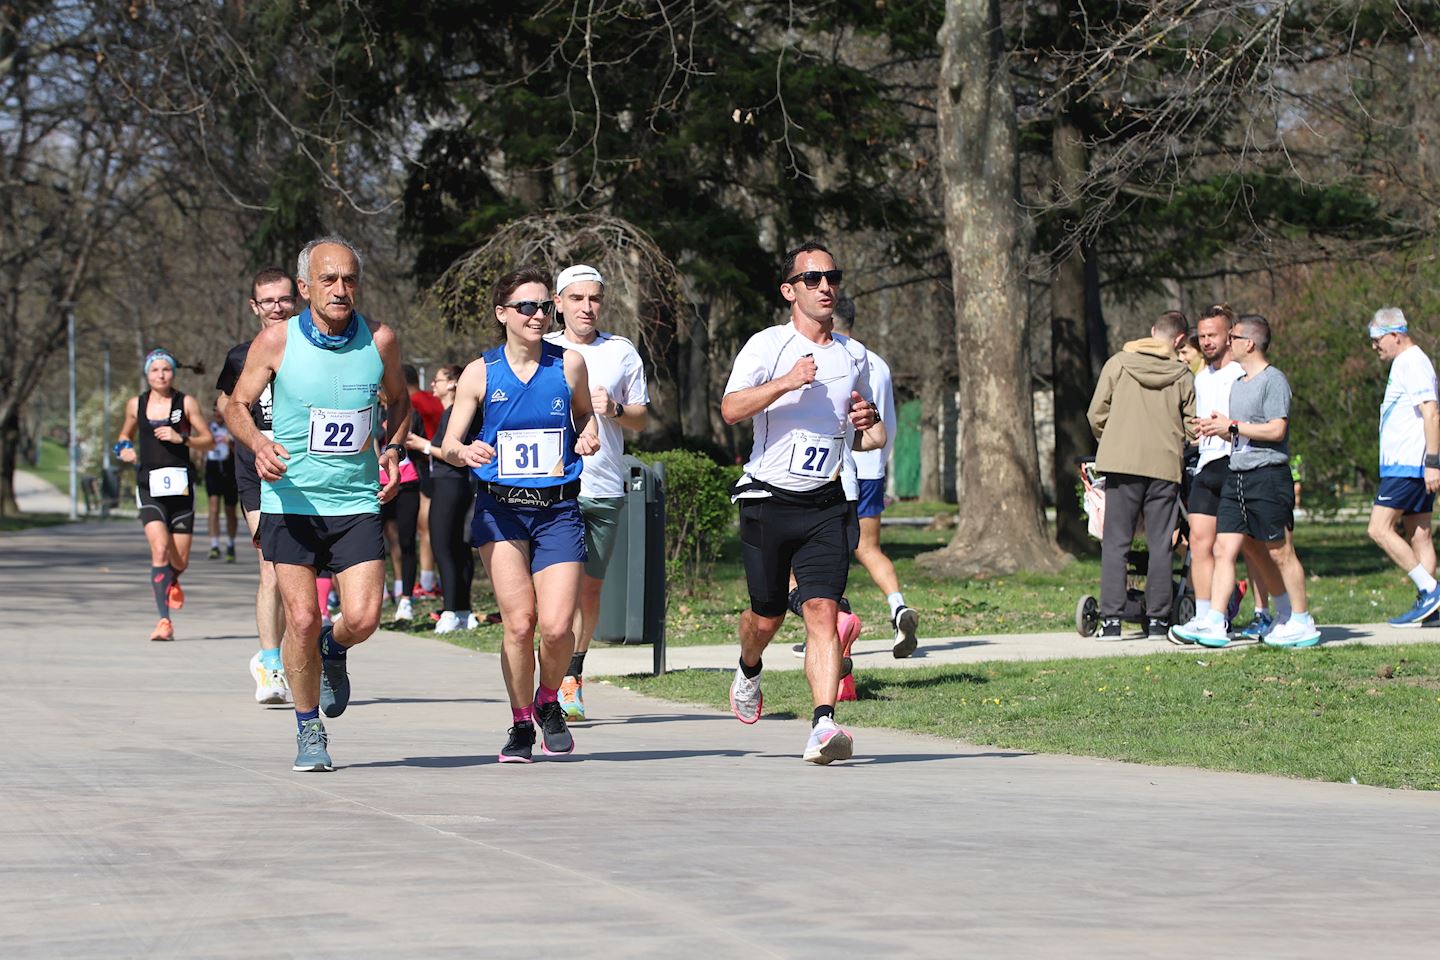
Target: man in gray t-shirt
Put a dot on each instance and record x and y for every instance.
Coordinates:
(1258, 498)
(1260, 398)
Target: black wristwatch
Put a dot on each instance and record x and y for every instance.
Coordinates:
(394, 446)
(619, 410)
(1234, 429)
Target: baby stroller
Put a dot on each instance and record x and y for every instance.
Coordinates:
(1182, 606)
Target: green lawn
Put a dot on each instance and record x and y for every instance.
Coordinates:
(1326, 714)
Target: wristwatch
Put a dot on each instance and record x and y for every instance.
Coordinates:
(393, 446)
(619, 410)
(1234, 429)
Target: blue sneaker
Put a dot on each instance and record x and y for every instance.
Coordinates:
(1205, 632)
(1425, 604)
(1259, 626)
(312, 756)
(334, 680)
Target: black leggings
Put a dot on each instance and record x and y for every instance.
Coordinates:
(449, 502)
(404, 512)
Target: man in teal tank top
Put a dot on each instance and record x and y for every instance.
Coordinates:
(320, 494)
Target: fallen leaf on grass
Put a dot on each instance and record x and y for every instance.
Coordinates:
(1209, 693)
(1386, 672)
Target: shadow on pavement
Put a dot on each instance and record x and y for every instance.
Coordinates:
(925, 648)
(647, 718)
(614, 756)
(383, 701)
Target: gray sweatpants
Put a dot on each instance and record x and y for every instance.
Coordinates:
(1126, 497)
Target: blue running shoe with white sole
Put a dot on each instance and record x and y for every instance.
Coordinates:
(1425, 605)
(312, 756)
(1259, 626)
(334, 680)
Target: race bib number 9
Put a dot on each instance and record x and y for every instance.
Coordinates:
(340, 432)
(169, 482)
(529, 453)
(815, 456)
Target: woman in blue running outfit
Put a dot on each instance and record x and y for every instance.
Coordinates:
(533, 399)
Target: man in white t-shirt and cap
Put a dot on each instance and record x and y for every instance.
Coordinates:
(1409, 461)
(807, 389)
(621, 399)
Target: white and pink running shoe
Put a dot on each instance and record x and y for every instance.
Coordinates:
(829, 743)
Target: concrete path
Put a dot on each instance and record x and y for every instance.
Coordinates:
(147, 809)
(34, 494)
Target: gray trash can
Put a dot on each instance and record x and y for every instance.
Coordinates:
(632, 602)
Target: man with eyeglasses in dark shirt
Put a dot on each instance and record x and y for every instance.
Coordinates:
(273, 300)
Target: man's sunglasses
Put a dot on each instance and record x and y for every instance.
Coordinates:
(811, 278)
(527, 308)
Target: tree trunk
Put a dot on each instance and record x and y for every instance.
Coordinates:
(1002, 521)
(1072, 379)
(9, 458)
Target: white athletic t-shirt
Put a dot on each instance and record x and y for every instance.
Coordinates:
(802, 440)
(1212, 395)
(1402, 429)
(221, 450)
(611, 362)
(871, 464)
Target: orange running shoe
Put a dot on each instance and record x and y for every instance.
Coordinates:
(572, 698)
(164, 630)
(175, 599)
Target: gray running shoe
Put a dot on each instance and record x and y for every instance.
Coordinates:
(312, 756)
(555, 738)
(906, 622)
(334, 680)
(518, 747)
(746, 700)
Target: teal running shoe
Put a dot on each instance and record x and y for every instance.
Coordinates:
(334, 680)
(312, 756)
(1205, 632)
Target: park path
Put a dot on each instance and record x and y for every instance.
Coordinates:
(147, 809)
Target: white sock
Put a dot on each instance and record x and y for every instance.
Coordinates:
(399, 587)
(896, 601)
(1422, 580)
(214, 543)
(427, 579)
(1202, 609)
(1282, 607)
(232, 543)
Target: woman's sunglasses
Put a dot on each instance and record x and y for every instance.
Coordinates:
(527, 308)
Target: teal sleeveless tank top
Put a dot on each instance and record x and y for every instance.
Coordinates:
(326, 414)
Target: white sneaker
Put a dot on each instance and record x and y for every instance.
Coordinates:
(448, 622)
(1292, 634)
(1204, 631)
(472, 622)
(746, 700)
(1175, 631)
(270, 685)
(403, 611)
(828, 743)
(906, 622)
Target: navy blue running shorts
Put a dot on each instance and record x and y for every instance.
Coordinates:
(1406, 494)
(555, 534)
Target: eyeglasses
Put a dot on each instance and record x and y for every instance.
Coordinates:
(812, 278)
(269, 303)
(527, 308)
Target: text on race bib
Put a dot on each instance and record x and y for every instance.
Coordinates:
(169, 482)
(340, 432)
(530, 453)
(815, 456)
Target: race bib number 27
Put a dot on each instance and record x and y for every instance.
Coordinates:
(340, 432)
(815, 456)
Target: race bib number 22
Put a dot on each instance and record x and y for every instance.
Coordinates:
(340, 432)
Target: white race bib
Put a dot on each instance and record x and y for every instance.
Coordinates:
(529, 453)
(815, 456)
(340, 432)
(169, 482)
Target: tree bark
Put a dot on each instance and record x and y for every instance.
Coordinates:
(1072, 379)
(1001, 525)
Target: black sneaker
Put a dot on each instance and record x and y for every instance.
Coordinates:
(1110, 628)
(334, 680)
(1157, 629)
(555, 739)
(517, 749)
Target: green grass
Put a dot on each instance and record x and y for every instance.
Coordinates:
(1324, 714)
(54, 465)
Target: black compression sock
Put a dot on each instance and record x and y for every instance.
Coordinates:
(160, 583)
(751, 672)
(577, 665)
(822, 712)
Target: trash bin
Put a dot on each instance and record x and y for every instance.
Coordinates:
(109, 490)
(632, 602)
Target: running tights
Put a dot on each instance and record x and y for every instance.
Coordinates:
(406, 512)
(449, 503)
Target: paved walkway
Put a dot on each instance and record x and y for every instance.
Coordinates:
(147, 809)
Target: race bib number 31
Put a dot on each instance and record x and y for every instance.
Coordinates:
(169, 482)
(340, 432)
(815, 456)
(529, 453)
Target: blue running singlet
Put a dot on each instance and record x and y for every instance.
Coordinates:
(528, 424)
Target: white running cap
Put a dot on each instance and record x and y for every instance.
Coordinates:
(578, 272)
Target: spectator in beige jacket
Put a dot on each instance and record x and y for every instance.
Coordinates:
(1141, 414)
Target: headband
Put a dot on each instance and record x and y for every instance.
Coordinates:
(154, 355)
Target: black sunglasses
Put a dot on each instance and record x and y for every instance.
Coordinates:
(811, 278)
(527, 308)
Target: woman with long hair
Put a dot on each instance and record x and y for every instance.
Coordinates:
(535, 423)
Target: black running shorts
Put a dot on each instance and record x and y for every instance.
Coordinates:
(247, 484)
(334, 543)
(177, 513)
(1259, 503)
(220, 480)
(1206, 487)
(814, 542)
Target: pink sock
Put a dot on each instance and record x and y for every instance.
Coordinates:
(523, 714)
(545, 695)
(322, 591)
